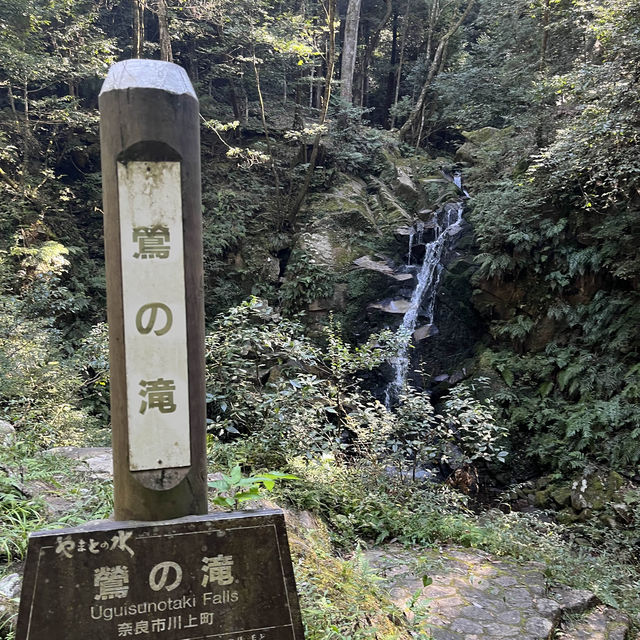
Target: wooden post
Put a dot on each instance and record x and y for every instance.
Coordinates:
(150, 148)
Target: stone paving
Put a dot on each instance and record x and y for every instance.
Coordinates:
(471, 595)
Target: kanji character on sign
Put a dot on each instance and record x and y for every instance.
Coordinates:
(192, 622)
(158, 624)
(125, 629)
(142, 626)
(175, 622)
(206, 617)
(217, 570)
(112, 582)
(153, 242)
(120, 541)
(158, 394)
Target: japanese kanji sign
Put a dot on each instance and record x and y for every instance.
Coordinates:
(153, 294)
(223, 577)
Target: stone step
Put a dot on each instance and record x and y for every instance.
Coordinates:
(472, 595)
(603, 623)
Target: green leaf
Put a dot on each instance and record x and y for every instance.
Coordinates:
(243, 496)
(220, 485)
(545, 388)
(236, 474)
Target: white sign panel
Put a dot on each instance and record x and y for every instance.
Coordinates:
(155, 327)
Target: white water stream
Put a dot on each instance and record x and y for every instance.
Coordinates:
(447, 223)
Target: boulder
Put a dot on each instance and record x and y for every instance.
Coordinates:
(367, 262)
(405, 188)
(7, 433)
(425, 331)
(482, 143)
(594, 490)
(480, 136)
(98, 461)
(9, 592)
(392, 305)
(10, 586)
(561, 496)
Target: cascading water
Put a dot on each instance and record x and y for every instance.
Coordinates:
(447, 222)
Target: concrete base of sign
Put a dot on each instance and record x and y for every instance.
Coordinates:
(224, 576)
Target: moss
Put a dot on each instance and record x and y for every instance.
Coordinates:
(562, 496)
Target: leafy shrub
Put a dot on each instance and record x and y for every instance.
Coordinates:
(267, 380)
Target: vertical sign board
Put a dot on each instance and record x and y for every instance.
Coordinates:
(155, 328)
(150, 148)
(221, 578)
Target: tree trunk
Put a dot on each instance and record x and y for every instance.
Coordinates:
(434, 68)
(267, 137)
(138, 28)
(349, 50)
(163, 31)
(331, 56)
(360, 75)
(391, 76)
(403, 42)
(546, 18)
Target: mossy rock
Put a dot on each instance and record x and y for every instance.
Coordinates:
(567, 516)
(481, 143)
(542, 498)
(562, 496)
(484, 135)
(594, 490)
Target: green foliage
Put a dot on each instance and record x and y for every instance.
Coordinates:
(475, 426)
(40, 389)
(556, 246)
(266, 379)
(233, 490)
(26, 478)
(364, 502)
(307, 279)
(20, 516)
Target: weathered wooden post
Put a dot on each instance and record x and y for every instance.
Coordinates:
(150, 145)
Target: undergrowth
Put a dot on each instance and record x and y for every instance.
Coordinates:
(364, 505)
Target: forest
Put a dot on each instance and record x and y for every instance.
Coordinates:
(421, 222)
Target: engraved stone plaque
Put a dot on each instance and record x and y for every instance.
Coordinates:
(155, 330)
(224, 576)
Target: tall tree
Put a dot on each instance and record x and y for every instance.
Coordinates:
(349, 50)
(163, 31)
(437, 59)
(138, 27)
(294, 210)
(371, 44)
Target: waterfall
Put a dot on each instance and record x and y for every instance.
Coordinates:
(447, 221)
